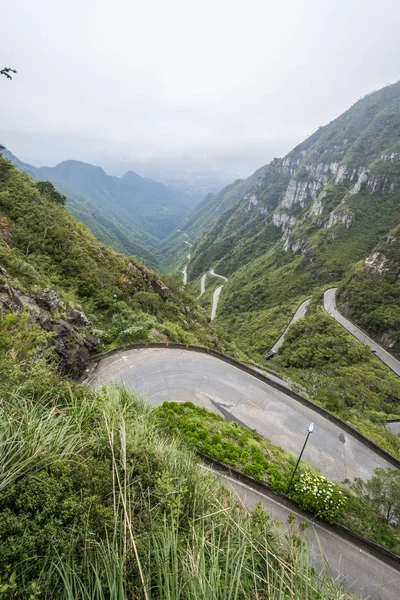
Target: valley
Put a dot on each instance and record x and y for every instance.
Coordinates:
(118, 362)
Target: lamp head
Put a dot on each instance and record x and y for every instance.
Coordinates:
(311, 428)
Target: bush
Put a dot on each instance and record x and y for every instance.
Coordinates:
(319, 496)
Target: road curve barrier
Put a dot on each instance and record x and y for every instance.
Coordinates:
(376, 549)
(95, 359)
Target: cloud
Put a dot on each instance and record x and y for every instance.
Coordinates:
(225, 82)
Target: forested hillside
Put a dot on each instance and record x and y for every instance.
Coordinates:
(52, 268)
(326, 215)
(131, 213)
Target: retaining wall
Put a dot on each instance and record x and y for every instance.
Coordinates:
(382, 553)
(350, 430)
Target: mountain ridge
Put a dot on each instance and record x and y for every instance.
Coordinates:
(132, 213)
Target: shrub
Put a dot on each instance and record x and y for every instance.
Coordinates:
(319, 496)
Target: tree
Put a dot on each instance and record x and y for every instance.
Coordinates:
(48, 190)
(384, 489)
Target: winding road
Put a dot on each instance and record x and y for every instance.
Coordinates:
(300, 312)
(216, 294)
(202, 286)
(162, 374)
(184, 270)
(330, 307)
(360, 571)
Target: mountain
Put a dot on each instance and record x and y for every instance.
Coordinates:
(211, 207)
(132, 213)
(52, 268)
(312, 215)
(325, 215)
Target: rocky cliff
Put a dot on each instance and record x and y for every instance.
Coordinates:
(312, 215)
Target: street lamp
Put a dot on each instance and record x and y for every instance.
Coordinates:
(310, 430)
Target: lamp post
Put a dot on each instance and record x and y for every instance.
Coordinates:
(310, 430)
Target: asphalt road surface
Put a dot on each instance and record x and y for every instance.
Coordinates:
(330, 307)
(161, 374)
(300, 312)
(359, 571)
(216, 295)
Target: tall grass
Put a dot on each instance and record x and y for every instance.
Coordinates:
(176, 533)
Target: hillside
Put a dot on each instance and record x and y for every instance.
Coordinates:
(202, 216)
(313, 214)
(97, 498)
(81, 294)
(370, 294)
(131, 213)
(327, 214)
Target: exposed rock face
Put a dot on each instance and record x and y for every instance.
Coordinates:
(161, 289)
(72, 348)
(283, 220)
(160, 336)
(252, 199)
(72, 345)
(14, 300)
(49, 300)
(6, 229)
(78, 317)
(134, 269)
(375, 184)
(347, 219)
(4, 272)
(317, 207)
(297, 246)
(392, 157)
(378, 263)
(296, 193)
(9, 299)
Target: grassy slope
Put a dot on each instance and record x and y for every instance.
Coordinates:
(49, 248)
(97, 501)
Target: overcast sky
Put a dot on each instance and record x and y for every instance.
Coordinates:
(227, 83)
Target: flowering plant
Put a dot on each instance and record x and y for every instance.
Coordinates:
(319, 496)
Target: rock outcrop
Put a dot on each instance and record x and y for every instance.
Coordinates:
(72, 342)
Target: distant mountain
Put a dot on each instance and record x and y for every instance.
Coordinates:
(321, 215)
(131, 213)
(202, 215)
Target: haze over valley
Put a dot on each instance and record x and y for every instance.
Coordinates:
(200, 300)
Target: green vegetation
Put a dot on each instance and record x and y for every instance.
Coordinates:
(97, 502)
(370, 295)
(132, 214)
(362, 507)
(228, 442)
(43, 246)
(372, 508)
(319, 496)
(341, 375)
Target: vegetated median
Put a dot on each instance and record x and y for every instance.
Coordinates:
(240, 365)
(369, 509)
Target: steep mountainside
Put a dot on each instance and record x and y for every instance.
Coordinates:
(312, 215)
(202, 216)
(370, 295)
(326, 215)
(131, 213)
(52, 268)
